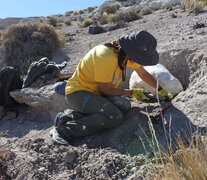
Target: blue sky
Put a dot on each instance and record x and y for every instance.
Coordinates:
(28, 8)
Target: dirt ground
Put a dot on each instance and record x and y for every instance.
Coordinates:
(118, 153)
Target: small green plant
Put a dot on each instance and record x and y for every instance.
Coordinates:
(86, 22)
(145, 11)
(67, 22)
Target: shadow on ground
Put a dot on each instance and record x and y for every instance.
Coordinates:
(136, 135)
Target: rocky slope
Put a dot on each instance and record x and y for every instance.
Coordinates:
(118, 153)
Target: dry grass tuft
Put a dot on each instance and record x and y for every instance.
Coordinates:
(127, 16)
(52, 21)
(195, 6)
(145, 11)
(67, 22)
(86, 22)
(188, 162)
(30, 41)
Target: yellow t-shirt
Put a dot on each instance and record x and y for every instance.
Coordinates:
(99, 65)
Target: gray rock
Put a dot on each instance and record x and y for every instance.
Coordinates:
(45, 99)
(95, 29)
(70, 157)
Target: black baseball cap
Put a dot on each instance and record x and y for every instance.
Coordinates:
(140, 47)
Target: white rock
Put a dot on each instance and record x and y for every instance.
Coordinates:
(162, 75)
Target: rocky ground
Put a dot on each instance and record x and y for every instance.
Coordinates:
(125, 152)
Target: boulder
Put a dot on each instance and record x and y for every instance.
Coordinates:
(95, 29)
(162, 75)
(45, 99)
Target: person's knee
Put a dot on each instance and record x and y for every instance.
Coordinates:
(116, 119)
(126, 106)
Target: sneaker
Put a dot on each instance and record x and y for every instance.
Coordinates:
(57, 138)
(62, 119)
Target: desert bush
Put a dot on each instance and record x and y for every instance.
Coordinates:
(87, 22)
(30, 41)
(129, 16)
(114, 18)
(110, 9)
(145, 11)
(2, 28)
(52, 21)
(2, 32)
(67, 22)
(123, 16)
(195, 6)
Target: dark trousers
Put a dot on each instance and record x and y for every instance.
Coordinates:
(94, 113)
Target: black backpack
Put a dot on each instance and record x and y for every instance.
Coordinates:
(9, 80)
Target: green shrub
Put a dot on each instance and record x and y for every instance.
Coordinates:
(67, 22)
(87, 22)
(52, 21)
(145, 11)
(30, 41)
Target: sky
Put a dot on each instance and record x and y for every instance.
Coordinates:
(31, 8)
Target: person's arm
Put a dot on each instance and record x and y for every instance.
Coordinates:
(106, 89)
(145, 76)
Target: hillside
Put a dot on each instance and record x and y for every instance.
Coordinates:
(118, 153)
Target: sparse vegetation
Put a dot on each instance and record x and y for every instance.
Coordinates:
(90, 9)
(125, 17)
(187, 163)
(110, 9)
(30, 41)
(52, 21)
(68, 13)
(114, 18)
(59, 15)
(86, 22)
(76, 12)
(67, 22)
(145, 11)
(195, 6)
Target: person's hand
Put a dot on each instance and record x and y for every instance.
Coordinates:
(139, 94)
(164, 92)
